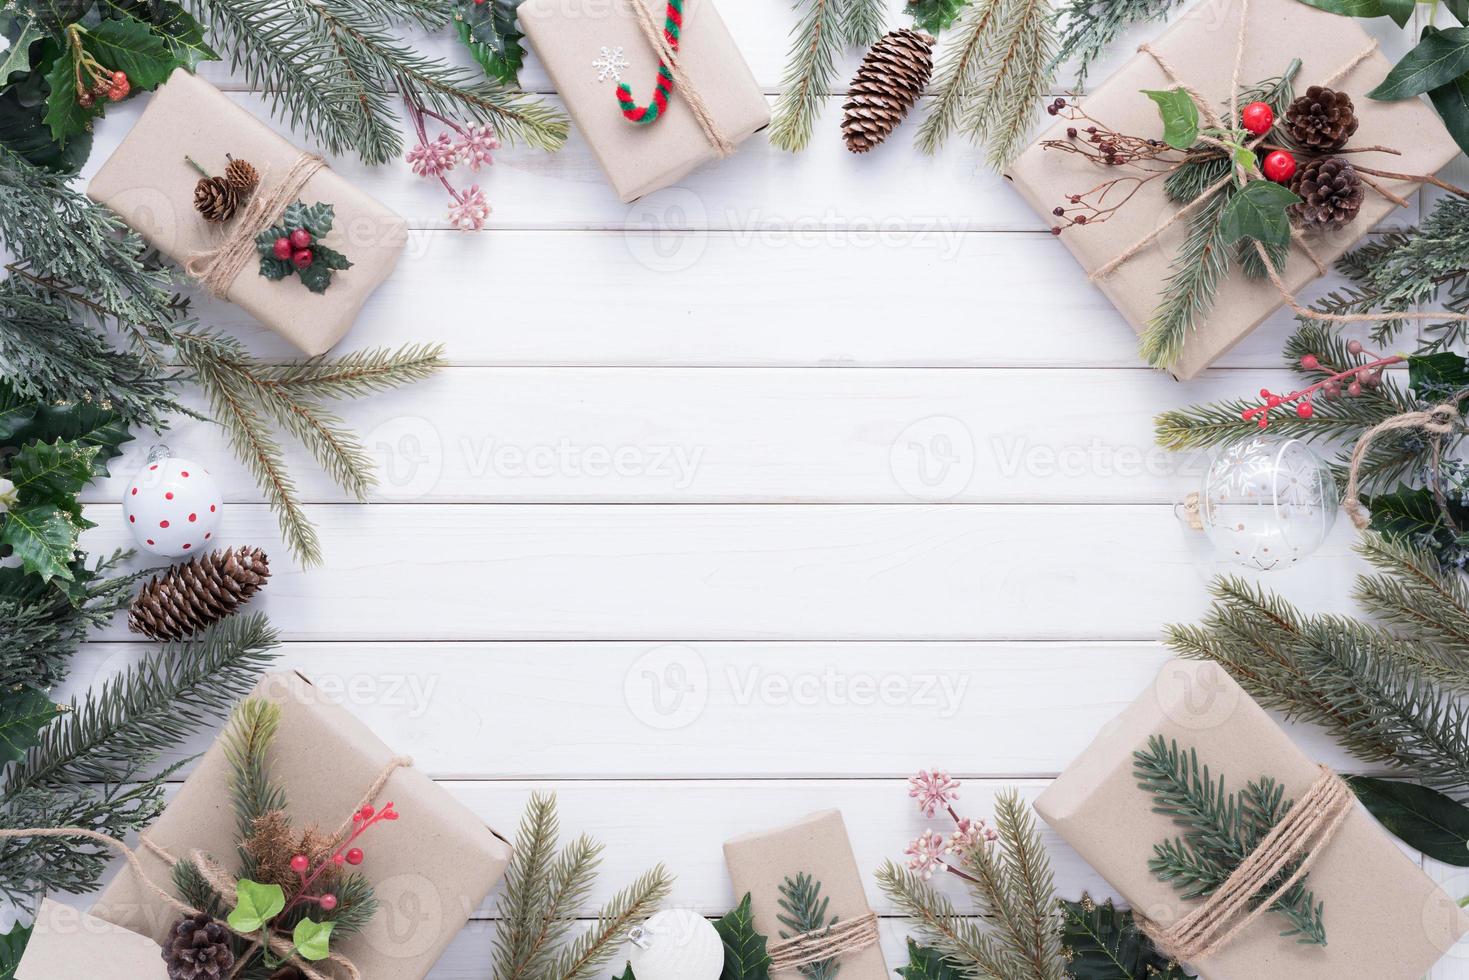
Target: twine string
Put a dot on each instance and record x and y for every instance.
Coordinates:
(1437, 422)
(659, 43)
(217, 877)
(1300, 836)
(839, 939)
(217, 268)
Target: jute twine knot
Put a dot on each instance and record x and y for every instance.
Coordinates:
(217, 268)
(1300, 836)
(218, 878)
(658, 42)
(839, 939)
(1439, 421)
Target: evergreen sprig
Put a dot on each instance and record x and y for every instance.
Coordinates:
(803, 910)
(1089, 26)
(1412, 595)
(957, 77)
(825, 28)
(253, 794)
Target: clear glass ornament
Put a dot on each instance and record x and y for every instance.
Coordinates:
(1265, 503)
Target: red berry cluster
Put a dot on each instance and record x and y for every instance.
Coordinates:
(1349, 383)
(295, 248)
(113, 85)
(345, 854)
(1279, 165)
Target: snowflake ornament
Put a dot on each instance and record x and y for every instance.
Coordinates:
(610, 64)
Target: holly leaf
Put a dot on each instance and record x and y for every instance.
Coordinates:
(316, 276)
(183, 35)
(16, 415)
(1433, 376)
(1180, 117)
(24, 130)
(43, 538)
(275, 269)
(1413, 515)
(24, 420)
(255, 905)
(129, 45)
(490, 31)
(330, 257)
(1423, 818)
(1104, 943)
(294, 216)
(312, 939)
(316, 218)
(626, 974)
(1452, 103)
(1257, 212)
(64, 114)
(927, 964)
(1460, 10)
(52, 473)
(12, 945)
(745, 956)
(1439, 58)
(23, 714)
(934, 16)
(18, 56)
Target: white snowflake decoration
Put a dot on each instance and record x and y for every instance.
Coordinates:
(610, 64)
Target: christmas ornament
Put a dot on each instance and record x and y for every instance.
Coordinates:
(643, 115)
(1321, 119)
(610, 64)
(1330, 193)
(1264, 503)
(173, 506)
(187, 598)
(676, 944)
(1257, 118)
(1279, 166)
(893, 75)
(198, 948)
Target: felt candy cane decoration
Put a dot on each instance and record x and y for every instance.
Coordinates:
(645, 114)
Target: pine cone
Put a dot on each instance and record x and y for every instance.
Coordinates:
(198, 947)
(187, 598)
(892, 77)
(1321, 119)
(1330, 193)
(242, 176)
(216, 199)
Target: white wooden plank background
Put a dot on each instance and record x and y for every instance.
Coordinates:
(846, 445)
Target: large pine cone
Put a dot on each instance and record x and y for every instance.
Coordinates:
(187, 598)
(1330, 193)
(242, 176)
(198, 948)
(892, 77)
(216, 199)
(1321, 119)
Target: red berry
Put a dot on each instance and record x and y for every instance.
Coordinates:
(1273, 401)
(300, 238)
(1354, 389)
(86, 100)
(1310, 363)
(354, 856)
(339, 860)
(282, 248)
(1354, 347)
(367, 812)
(119, 77)
(1257, 117)
(301, 258)
(1279, 166)
(1304, 410)
(300, 864)
(328, 902)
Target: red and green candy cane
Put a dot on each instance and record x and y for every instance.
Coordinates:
(645, 114)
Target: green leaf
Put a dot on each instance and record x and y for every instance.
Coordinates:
(18, 57)
(745, 957)
(1423, 818)
(312, 939)
(23, 128)
(183, 35)
(23, 714)
(1434, 376)
(1180, 117)
(12, 945)
(330, 257)
(1439, 58)
(927, 964)
(1258, 212)
(1401, 11)
(934, 16)
(626, 974)
(24, 420)
(16, 415)
(275, 269)
(316, 218)
(1104, 943)
(127, 44)
(294, 216)
(1350, 8)
(255, 905)
(1460, 10)
(1452, 103)
(43, 538)
(64, 114)
(52, 473)
(316, 277)
(490, 32)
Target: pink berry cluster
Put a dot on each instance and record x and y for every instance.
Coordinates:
(927, 853)
(295, 248)
(471, 146)
(1349, 383)
(346, 854)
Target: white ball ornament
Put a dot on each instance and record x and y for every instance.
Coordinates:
(173, 506)
(676, 944)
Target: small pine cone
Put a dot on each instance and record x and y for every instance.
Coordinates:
(198, 948)
(1321, 119)
(216, 199)
(1330, 193)
(242, 176)
(189, 597)
(892, 77)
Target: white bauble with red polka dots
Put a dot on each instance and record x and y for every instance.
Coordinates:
(173, 506)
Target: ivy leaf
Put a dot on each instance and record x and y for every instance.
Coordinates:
(927, 964)
(18, 57)
(1423, 818)
(745, 957)
(1452, 103)
(52, 473)
(129, 45)
(934, 16)
(22, 716)
(1439, 58)
(12, 945)
(1180, 117)
(1105, 943)
(312, 939)
(64, 114)
(43, 538)
(493, 37)
(1257, 212)
(255, 905)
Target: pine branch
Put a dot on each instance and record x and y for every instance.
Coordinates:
(863, 21)
(1194, 276)
(1413, 595)
(1089, 26)
(961, 941)
(810, 73)
(957, 79)
(247, 738)
(804, 911)
(522, 904)
(1034, 936)
(591, 951)
(357, 374)
(1014, 76)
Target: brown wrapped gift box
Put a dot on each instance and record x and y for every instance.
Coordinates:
(430, 870)
(568, 35)
(1385, 919)
(148, 183)
(817, 845)
(1201, 44)
(68, 944)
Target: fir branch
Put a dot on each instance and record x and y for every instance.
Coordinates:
(810, 73)
(1015, 75)
(1088, 26)
(527, 887)
(863, 21)
(958, 76)
(1414, 596)
(357, 374)
(591, 951)
(1195, 273)
(247, 738)
(960, 939)
(1032, 929)
(804, 911)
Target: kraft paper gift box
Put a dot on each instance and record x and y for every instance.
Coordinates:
(430, 869)
(150, 185)
(569, 35)
(1201, 45)
(68, 944)
(1385, 919)
(817, 845)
